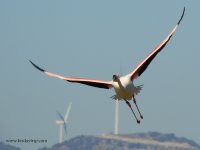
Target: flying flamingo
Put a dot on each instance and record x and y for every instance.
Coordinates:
(123, 86)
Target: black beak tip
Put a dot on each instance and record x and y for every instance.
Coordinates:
(36, 66)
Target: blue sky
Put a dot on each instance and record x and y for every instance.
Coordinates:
(93, 39)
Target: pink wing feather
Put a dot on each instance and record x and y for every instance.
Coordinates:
(90, 82)
(144, 64)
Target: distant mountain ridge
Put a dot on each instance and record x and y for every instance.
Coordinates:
(164, 138)
(4, 146)
(136, 141)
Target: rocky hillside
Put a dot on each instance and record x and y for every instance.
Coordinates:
(140, 141)
(7, 147)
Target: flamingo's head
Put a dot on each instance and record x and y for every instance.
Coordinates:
(116, 77)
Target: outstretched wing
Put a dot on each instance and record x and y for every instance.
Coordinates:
(145, 63)
(90, 82)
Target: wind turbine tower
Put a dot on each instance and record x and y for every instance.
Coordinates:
(116, 124)
(116, 130)
(63, 123)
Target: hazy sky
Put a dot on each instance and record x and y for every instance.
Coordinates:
(92, 39)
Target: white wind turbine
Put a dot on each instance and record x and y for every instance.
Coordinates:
(63, 123)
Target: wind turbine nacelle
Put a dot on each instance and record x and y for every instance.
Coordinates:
(59, 122)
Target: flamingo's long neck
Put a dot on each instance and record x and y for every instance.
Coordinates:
(120, 84)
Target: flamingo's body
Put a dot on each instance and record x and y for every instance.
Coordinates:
(125, 89)
(123, 86)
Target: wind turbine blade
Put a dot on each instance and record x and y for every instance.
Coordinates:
(67, 112)
(61, 117)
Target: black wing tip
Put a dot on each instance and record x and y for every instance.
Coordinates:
(181, 15)
(36, 66)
